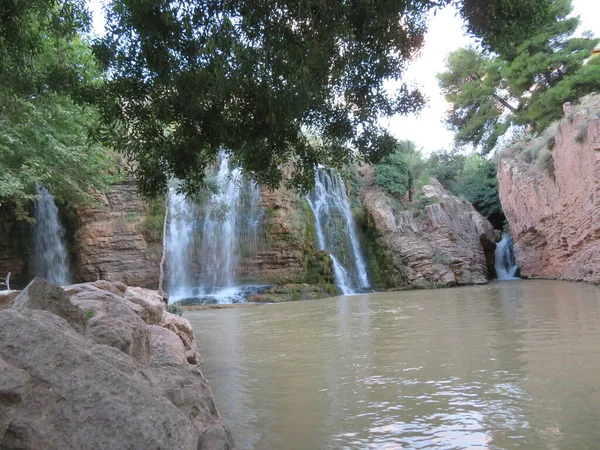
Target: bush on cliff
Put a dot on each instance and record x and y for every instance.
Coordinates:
(397, 172)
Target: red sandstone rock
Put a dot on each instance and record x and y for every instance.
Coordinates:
(111, 244)
(449, 243)
(555, 221)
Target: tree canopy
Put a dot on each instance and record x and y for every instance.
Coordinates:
(189, 77)
(522, 85)
(184, 79)
(43, 132)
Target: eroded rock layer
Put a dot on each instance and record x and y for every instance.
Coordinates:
(441, 241)
(111, 243)
(553, 209)
(93, 366)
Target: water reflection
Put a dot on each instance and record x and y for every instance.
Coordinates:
(507, 365)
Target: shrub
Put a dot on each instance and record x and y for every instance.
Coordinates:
(175, 308)
(546, 162)
(393, 175)
(582, 134)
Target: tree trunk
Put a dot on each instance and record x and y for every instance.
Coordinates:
(164, 254)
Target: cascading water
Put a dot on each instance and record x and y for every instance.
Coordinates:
(179, 242)
(506, 266)
(231, 227)
(206, 244)
(336, 231)
(50, 253)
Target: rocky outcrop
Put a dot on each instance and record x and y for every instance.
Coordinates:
(440, 240)
(550, 193)
(111, 242)
(288, 253)
(293, 292)
(120, 382)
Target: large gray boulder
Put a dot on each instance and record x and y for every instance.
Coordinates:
(116, 322)
(40, 294)
(60, 389)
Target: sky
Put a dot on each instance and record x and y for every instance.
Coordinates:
(445, 35)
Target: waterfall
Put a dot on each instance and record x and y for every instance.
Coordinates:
(179, 242)
(206, 244)
(232, 221)
(336, 231)
(50, 253)
(506, 266)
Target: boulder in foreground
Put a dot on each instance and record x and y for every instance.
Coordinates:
(118, 383)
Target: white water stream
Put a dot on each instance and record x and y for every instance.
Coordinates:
(336, 231)
(506, 266)
(51, 259)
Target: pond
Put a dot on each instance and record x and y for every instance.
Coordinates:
(512, 364)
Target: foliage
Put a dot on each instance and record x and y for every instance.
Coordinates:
(187, 78)
(523, 85)
(40, 46)
(43, 140)
(477, 182)
(175, 308)
(393, 173)
(43, 132)
(153, 223)
(472, 177)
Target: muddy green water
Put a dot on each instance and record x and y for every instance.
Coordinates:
(510, 365)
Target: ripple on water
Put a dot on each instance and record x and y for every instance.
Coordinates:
(502, 366)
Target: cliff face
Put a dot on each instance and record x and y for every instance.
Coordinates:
(554, 214)
(111, 243)
(442, 242)
(15, 236)
(288, 253)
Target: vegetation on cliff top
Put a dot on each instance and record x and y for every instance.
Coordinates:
(524, 85)
(472, 177)
(43, 130)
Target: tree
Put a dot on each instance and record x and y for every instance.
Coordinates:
(189, 77)
(523, 85)
(43, 132)
(393, 174)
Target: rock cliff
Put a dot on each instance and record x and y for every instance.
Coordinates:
(549, 189)
(440, 240)
(112, 244)
(101, 365)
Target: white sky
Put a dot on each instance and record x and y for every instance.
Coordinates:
(445, 35)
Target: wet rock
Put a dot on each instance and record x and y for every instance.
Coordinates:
(42, 295)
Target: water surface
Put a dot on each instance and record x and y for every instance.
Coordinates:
(510, 365)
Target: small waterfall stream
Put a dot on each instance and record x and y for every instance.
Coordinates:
(336, 231)
(179, 242)
(207, 243)
(506, 266)
(50, 252)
